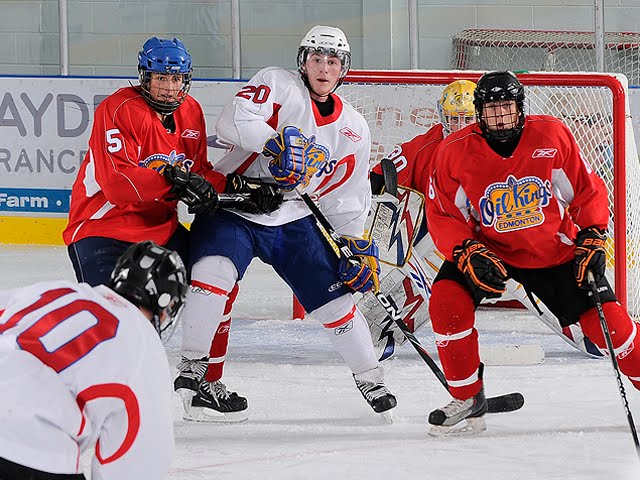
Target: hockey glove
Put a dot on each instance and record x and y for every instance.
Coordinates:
(362, 273)
(289, 161)
(194, 190)
(263, 198)
(590, 255)
(485, 273)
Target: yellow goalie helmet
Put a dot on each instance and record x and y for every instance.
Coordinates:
(455, 107)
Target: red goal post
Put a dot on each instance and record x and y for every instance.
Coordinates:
(401, 104)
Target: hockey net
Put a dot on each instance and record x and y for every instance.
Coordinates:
(399, 105)
(544, 50)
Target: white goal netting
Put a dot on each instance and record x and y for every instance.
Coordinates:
(545, 50)
(401, 105)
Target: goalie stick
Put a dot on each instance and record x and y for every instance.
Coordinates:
(502, 403)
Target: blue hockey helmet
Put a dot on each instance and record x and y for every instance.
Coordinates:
(168, 57)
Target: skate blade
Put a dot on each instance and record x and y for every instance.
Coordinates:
(470, 426)
(387, 417)
(208, 415)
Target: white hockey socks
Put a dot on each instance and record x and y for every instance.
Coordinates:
(348, 332)
(213, 278)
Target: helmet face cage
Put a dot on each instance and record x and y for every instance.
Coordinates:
(455, 107)
(152, 277)
(325, 41)
(499, 87)
(344, 57)
(166, 57)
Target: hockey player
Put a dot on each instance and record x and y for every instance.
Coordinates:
(511, 197)
(147, 150)
(290, 130)
(82, 364)
(413, 159)
(411, 284)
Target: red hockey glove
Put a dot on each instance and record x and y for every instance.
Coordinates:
(289, 163)
(363, 275)
(485, 273)
(590, 255)
(195, 191)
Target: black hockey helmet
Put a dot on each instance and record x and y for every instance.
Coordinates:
(494, 87)
(152, 277)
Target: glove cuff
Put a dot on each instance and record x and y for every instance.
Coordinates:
(592, 230)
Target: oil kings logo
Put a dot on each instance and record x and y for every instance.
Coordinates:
(515, 204)
(317, 158)
(157, 161)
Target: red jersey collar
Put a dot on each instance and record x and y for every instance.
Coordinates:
(337, 111)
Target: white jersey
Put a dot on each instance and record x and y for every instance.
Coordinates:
(79, 365)
(275, 98)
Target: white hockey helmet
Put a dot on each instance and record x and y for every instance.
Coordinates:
(327, 40)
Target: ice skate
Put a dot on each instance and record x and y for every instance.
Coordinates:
(214, 403)
(191, 373)
(371, 385)
(460, 417)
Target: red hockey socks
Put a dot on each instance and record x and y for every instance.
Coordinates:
(220, 342)
(453, 317)
(624, 337)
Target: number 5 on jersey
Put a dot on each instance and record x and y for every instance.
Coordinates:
(115, 143)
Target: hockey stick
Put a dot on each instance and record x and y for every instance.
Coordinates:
(390, 175)
(232, 199)
(503, 403)
(612, 354)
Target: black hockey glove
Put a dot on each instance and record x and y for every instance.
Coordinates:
(590, 255)
(485, 273)
(194, 190)
(263, 198)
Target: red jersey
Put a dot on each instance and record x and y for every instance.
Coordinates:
(119, 192)
(414, 159)
(525, 208)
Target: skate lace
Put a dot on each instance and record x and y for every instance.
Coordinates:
(217, 389)
(372, 390)
(196, 367)
(454, 407)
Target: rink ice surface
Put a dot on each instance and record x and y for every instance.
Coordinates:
(308, 420)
